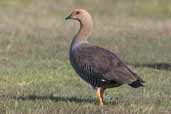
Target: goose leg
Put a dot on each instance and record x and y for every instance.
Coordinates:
(99, 94)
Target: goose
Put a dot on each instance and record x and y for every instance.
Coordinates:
(98, 66)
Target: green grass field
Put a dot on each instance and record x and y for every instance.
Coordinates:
(35, 74)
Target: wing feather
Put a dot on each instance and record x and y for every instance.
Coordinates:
(103, 64)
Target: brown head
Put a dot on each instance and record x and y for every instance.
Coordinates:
(85, 20)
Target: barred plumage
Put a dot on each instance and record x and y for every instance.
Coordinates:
(98, 66)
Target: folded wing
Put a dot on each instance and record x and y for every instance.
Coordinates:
(103, 64)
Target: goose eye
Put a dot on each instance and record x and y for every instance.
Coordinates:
(77, 12)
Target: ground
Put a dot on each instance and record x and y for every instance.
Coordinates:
(37, 78)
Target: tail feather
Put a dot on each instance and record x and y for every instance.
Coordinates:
(137, 83)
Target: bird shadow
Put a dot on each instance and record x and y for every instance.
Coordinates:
(55, 99)
(159, 66)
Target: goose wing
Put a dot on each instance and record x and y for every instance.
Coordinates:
(103, 64)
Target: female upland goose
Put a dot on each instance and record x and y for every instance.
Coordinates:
(98, 66)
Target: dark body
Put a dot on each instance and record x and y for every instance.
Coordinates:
(102, 68)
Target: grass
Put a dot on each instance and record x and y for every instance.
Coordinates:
(35, 74)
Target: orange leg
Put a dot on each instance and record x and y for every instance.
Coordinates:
(99, 94)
